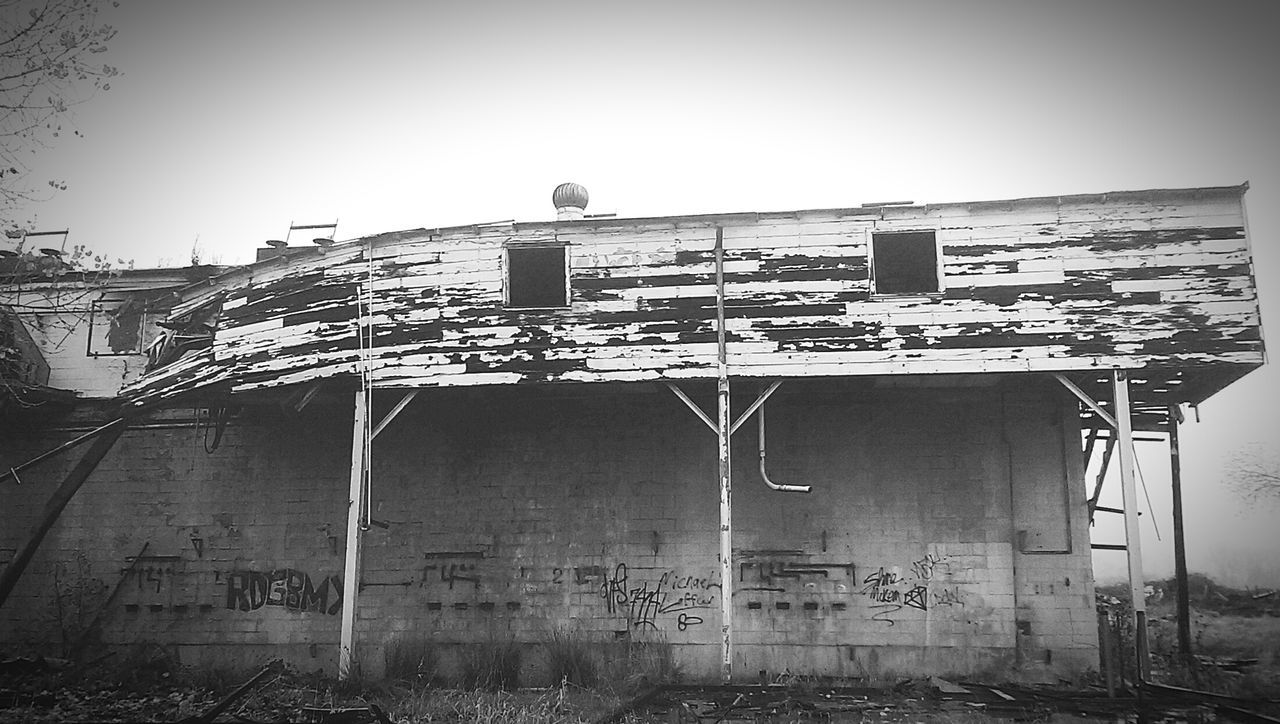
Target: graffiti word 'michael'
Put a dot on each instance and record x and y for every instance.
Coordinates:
(287, 588)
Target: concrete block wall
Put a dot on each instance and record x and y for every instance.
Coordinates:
(501, 514)
(270, 498)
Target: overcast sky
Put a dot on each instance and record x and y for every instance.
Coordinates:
(234, 119)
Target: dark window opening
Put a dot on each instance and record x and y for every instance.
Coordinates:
(904, 262)
(536, 277)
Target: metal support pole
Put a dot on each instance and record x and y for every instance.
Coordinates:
(1179, 543)
(1132, 534)
(723, 432)
(351, 569)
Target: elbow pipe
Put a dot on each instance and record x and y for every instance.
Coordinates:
(765, 476)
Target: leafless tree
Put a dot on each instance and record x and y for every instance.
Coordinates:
(1254, 473)
(50, 60)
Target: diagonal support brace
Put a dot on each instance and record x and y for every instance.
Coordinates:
(1087, 400)
(403, 403)
(693, 406)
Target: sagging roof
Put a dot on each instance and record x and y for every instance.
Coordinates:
(1158, 281)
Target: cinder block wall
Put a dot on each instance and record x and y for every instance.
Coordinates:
(233, 540)
(946, 531)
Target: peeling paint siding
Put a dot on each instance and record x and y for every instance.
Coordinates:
(1126, 282)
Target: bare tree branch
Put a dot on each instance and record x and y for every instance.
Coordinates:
(1254, 473)
(48, 63)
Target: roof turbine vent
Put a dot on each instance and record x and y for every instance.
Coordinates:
(570, 200)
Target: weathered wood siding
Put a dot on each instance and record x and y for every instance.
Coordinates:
(1159, 279)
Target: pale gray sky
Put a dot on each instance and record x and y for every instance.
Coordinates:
(235, 118)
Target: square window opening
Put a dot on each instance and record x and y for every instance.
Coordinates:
(536, 277)
(904, 262)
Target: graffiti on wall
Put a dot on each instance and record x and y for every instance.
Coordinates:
(283, 587)
(675, 596)
(918, 587)
(774, 575)
(452, 568)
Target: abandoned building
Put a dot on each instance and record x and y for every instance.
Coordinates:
(843, 442)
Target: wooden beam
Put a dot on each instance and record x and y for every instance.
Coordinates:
(107, 436)
(1179, 542)
(355, 512)
(1132, 533)
(1102, 476)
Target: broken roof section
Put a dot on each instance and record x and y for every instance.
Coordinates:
(1159, 282)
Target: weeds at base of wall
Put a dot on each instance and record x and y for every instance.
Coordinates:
(642, 662)
(492, 665)
(412, 659)
(569, 658)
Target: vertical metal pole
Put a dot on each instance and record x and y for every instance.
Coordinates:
(1179, 543)
(1132, 534)
(726, 485)
(355, 503)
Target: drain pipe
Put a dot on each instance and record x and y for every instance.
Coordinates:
(764, 475)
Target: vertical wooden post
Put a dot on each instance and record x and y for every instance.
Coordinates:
(355, 513)
(723, 431)
(1179, 542)
(1132, 534)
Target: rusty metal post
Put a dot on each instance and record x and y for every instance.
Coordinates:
(1179, 542)
(1132, 533)
(355, 512)
(723, 431)
(107, 436)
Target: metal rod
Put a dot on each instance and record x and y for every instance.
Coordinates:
(1085, 398)
(754, 406)
(403, 403)
(692, 406)
(1108, 546)
(1179, 542)
(725, 472)
(351, 568)
(1132, 533)
(12, 472)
